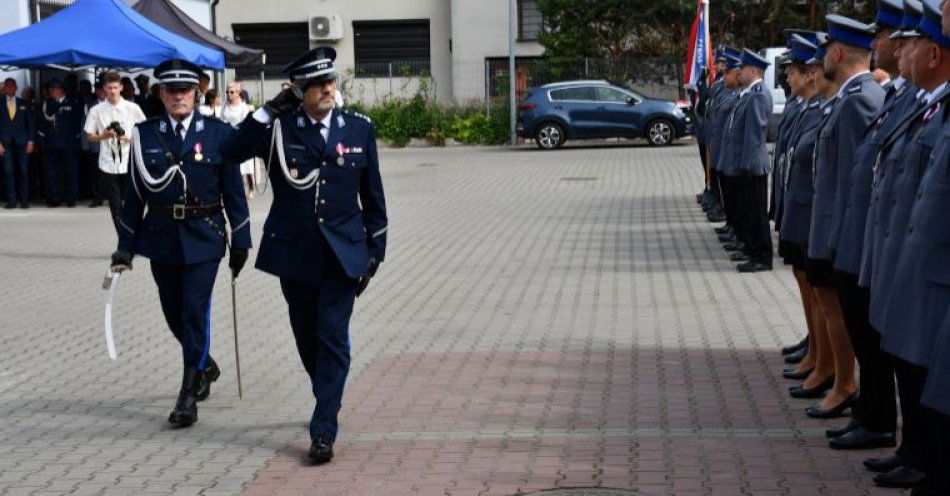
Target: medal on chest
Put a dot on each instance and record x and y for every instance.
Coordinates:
(198, 149)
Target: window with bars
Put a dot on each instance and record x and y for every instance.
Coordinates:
(529, 20)
(283, 42)
(396, 48)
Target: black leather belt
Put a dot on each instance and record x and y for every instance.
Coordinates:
(181, 211)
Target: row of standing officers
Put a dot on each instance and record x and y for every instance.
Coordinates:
(860, 196)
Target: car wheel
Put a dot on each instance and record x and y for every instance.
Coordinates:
(660, 132)
(549, 136)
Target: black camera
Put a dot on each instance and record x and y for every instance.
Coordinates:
(115, 126)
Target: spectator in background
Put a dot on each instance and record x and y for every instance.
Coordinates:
(211, 107)
(59, 128)
(153, 103)
(128, 89)
(17, 130)
(89, 156)
(234, 111)
(141, 82)
(204, 81)
(110, 124)
(85, 91)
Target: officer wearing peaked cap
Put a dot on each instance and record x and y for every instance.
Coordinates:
(184, 187)
(874, 418)
(325, 234)
(710, 199)
(908, 279)
(59, 130)
(721, 108)
(747, 162)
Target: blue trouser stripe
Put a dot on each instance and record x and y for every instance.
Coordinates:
(207, 348)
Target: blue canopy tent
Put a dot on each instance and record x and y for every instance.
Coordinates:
(100, 33)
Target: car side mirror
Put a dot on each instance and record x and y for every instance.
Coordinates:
(631, 101)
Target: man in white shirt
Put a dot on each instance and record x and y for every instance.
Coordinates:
(110, 124)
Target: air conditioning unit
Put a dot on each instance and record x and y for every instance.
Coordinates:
(326, 28)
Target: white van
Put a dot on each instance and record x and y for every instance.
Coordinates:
(774, 81)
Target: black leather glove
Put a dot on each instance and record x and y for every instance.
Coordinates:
(121, 261)
(286, 101)
(237, 261)
(370, 272)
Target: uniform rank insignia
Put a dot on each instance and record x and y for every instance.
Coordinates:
(199, 126)
(198, 148)
(854, 89)
(300, 122)
(340, 122)
(162, 126)
(931, 112)
(293, 173)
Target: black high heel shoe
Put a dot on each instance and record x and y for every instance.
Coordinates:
(834, 412)
(797, 376)
(815, 392)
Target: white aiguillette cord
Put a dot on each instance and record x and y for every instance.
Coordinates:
(277, 141)
(151, 183)
(111, 283)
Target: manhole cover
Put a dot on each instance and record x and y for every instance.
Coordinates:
(579, 178)
(588, 491)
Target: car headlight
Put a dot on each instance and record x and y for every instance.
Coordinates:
(678, 112)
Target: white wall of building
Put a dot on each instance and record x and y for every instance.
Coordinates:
(367, 90)
(479, 31)
(16, 14)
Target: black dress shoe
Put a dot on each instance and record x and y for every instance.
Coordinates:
(54, 204)
(815, 392)
(738, 257)
(795, 347)
(833, 433)
(861, 438)
(751, 266)
(727, 238)
(321, 450)
(8, 206)
(723, 230)
(797, 376)
(715, 217)
(209, 375)
(883, 465)
(901, 477)
(185, 412)
(24, 205)
(796, 357)
(734, 246)
(70, 204)
(836, 411)
(95, 203)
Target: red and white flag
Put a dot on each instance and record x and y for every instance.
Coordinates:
(699, 56)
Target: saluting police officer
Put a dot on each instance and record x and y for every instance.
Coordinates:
(59, 130)
(180, 180)
(325, 234)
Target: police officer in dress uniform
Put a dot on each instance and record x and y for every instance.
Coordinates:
(874, 418)
(180, 180)
(748, 163)
(722, 106)
(795, 179)
(710, 199)
(325, 234)
(61, 120)
(794, 104)
(908, 318)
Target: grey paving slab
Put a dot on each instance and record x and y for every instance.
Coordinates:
(587, 250)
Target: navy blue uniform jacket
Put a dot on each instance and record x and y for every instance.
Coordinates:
(348, 214)
(211, 179)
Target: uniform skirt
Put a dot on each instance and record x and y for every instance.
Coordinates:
(793, 254)
(820, 272)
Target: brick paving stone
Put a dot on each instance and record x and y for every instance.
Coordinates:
(528, 330)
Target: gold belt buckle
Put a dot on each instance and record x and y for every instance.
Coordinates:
(178, 212)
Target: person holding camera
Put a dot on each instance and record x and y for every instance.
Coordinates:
(108, 124)
(178, 174)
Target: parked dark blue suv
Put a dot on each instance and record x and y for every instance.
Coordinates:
(557, 112)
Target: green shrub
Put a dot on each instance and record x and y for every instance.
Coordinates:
(399, 120)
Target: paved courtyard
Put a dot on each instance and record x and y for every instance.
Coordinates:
(542, 320)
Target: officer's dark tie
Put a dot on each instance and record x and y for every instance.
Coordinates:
(321, 143)
(179, 136)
